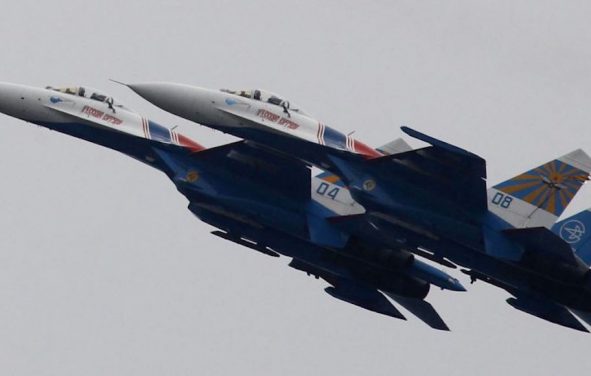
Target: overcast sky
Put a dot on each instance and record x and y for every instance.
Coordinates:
(103, 270)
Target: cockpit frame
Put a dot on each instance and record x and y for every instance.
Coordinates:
(264, 96)
(88, 93)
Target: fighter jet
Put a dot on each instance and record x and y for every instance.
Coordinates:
(254, 197)
(433, 200)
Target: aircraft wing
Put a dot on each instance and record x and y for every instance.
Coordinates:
(453, 175)
(445, 169)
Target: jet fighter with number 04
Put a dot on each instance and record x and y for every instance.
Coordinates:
(254, 197)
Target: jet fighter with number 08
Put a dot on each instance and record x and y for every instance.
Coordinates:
(431, 200)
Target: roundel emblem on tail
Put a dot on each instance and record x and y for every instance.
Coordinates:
(572, 231)
(369, 185)
(192, 176)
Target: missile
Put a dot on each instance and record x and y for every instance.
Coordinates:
(435, 276)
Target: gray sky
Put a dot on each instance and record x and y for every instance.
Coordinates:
(103, 271)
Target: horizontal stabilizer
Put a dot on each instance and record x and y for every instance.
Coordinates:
(548, 311)
(421, 309)
(394, 147)
(369, 299)
(542, 240)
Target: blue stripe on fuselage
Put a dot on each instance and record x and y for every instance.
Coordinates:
(158, 132)
(334, 138)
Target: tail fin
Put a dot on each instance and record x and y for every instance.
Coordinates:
(576, 231)
(539, 196)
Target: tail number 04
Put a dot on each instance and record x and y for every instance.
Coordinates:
(324, 190)
(502, 200)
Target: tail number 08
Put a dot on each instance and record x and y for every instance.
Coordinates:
(502, 200)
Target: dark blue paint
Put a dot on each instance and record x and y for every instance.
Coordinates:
(257, 195)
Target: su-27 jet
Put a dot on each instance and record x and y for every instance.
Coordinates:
(432, 201)
(254, 197)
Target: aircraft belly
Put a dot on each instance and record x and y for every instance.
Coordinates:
(258, 216)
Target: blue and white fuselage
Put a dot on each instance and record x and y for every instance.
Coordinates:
(432, 198)
(260, 200)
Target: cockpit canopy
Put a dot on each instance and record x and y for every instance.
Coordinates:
(89, 93)
(265, 96)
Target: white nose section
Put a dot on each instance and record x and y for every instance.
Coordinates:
(189, 102)
(174, 98)
(14, 99)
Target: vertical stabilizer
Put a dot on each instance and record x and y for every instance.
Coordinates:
(539, 196)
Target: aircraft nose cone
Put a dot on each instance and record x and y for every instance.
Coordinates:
(154, 92)
(12, 100)
(189, 102)
(175, 98)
